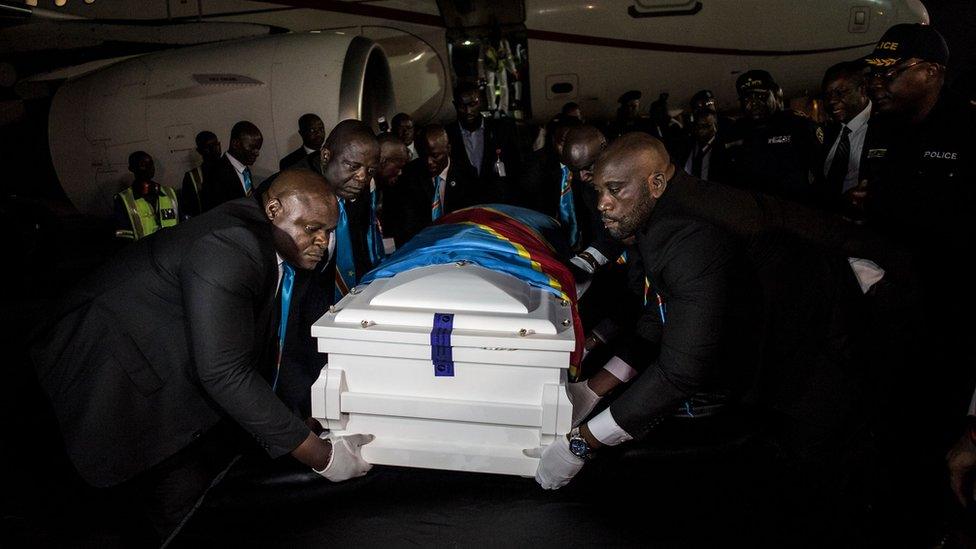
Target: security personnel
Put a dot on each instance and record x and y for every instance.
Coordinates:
(628, 115)
(145, 206)
(772, 150)
(703, 155)
(208, 147)
(923, 197)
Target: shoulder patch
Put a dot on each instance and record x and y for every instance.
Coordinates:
(820, 134)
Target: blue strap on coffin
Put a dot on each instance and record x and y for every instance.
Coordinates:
(440, 345)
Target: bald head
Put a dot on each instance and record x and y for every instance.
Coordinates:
(435, 148)
(582, 145)
(630, 176)
(303, 212)
(638, 147)
(349, 158)
(393, 156)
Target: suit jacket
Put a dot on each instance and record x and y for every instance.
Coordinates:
(223, 184)
(811, 304)
(408, 203)
(718, 163)
(170, 337)
(294, 158)
(541, 183)
(831, 198)
(700, 273)
(500, 140)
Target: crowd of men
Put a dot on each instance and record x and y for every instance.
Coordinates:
(810, 272)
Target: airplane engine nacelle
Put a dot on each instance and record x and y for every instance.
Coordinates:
(159, 102)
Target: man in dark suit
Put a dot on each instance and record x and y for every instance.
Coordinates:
(312, 131)
(488, 146)
(230, 177)
(843, 171)
(705, 156)
(348, 159)
(167, 348)
(208, 147)
(546, 184)
(695, 268)
(433, 185)
(791, 348)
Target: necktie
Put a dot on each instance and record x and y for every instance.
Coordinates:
(287, 281)
(838, 167)
(436, 208)
(567, 209)
(345, 269)
(247, 181)
(374, 238)
(697, 159)
(661, 307)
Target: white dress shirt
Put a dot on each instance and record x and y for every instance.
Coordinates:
(239, 168)
(859, 128)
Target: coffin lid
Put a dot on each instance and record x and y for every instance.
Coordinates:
(484, 303)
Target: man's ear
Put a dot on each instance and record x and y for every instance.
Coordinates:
(657, 182)
(325, 155)
(272, 209)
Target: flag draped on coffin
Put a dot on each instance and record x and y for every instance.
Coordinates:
(521, 242)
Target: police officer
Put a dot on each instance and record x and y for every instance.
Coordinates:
(146, 206)
(923, 197)
(628, 115)
(772, 150)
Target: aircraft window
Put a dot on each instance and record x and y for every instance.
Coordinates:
(562, 87)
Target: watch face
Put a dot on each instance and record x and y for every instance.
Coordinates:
(579, 448)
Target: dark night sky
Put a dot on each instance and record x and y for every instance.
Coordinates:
(956, 20)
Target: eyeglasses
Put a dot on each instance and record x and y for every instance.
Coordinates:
(893, 73)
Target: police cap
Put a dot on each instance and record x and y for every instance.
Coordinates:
(703, 100)
(755, 80)
(908, 40)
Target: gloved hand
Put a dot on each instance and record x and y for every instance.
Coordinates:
(557, 465)
(583, 399)
(346, 461)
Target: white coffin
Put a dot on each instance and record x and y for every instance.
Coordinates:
(510, 345)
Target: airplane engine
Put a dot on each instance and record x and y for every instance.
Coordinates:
(159, 102)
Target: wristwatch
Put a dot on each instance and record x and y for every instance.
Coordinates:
(578, 445)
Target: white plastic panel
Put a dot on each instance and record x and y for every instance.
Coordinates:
(478, 382)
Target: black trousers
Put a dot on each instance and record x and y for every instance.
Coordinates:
(155, 503)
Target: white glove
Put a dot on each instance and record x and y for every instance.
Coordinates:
(557, 465)
(346, 461)
(583, 399)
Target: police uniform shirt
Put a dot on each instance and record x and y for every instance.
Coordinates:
(859, 129)
(925, 190)
(776, 157)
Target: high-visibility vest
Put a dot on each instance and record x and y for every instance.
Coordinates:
(144, 220)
